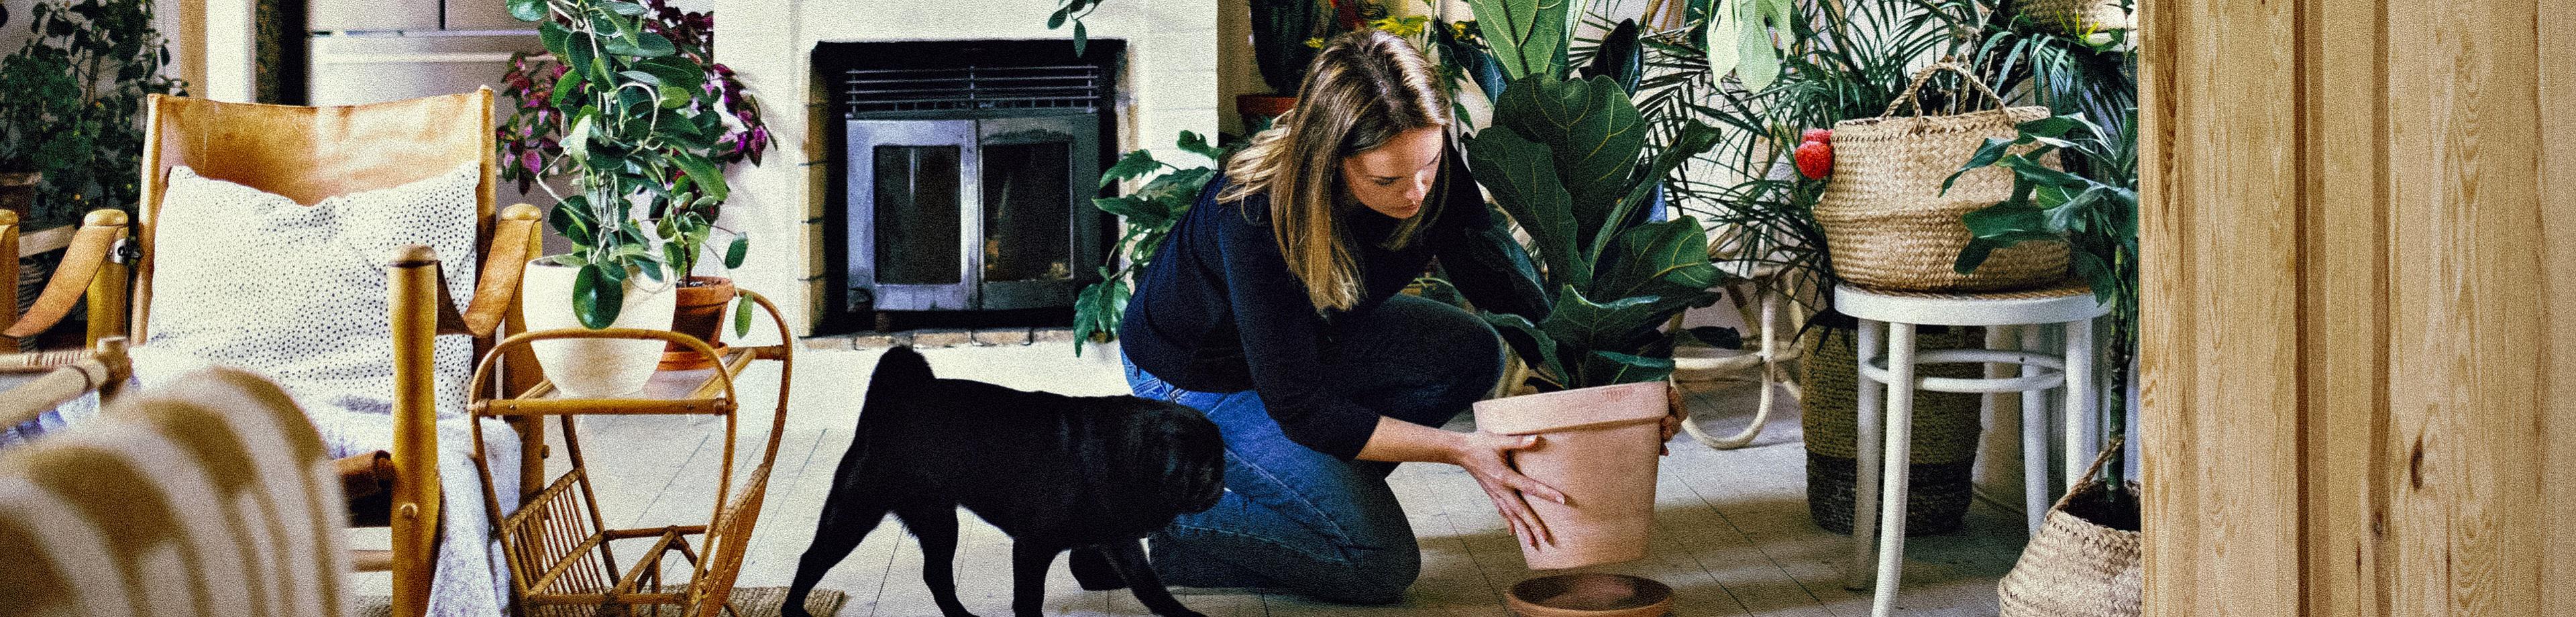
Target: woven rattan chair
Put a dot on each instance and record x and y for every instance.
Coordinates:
(203, 498)
(306, 154)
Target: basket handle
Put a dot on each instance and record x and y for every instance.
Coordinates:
(1925, 75)
(2090, 472)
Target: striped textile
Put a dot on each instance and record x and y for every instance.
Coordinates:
(207, 496)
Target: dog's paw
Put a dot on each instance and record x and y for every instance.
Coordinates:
(1179, 612)
(1092, 570)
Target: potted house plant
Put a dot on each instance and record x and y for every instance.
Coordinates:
(1147, 216)
(1600, 354)
(42, 90)
(74, 108)
(642, 143)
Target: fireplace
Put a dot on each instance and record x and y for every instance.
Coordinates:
(1158, 60)
(966, 173)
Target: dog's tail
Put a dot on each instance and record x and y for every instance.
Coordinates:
(899, 367)
(899, 371)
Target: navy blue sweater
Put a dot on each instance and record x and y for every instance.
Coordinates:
(1218, 310)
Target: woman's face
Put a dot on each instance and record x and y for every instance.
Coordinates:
(1392, 178)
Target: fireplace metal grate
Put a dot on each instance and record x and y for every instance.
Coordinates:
(1074, 87)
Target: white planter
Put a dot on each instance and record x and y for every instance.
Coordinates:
(594, 368)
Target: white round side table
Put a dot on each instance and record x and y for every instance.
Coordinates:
(2069, 305)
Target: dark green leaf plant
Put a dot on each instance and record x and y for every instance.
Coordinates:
(1565, 158)
(1148, 214)
(641, 145)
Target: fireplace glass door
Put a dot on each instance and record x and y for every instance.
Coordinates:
(972, 212)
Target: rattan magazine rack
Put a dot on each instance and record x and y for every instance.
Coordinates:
(558, 544)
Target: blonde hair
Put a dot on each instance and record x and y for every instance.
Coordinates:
(1362, 90)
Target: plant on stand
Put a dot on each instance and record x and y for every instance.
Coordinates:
(645, 135)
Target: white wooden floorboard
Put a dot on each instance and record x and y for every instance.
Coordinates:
(1732, 531)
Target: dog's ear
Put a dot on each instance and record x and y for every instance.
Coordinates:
(901, 365)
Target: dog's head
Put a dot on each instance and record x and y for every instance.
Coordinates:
(1179, 449)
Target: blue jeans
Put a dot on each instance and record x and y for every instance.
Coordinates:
(1299, 520)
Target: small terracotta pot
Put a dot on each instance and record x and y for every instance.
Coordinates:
(701, 314)
(1598, 446)
(18, 191)
(1590, 595)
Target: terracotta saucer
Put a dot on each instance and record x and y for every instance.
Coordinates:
(1590, 595)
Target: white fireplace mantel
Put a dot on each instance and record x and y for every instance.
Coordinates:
(1169, 86)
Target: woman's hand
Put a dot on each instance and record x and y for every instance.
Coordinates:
(1488, 457)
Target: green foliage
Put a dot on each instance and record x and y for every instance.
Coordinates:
(1527, 37)
(1563, 158)
(73, 107)
(2097, 214)
(644, 142)
(1280, 29)
(1149, 214)
(1836, 63)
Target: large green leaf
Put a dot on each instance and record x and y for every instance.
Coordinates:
(1134, 164)
(1593, 133)
(528, 10)
(1757, 61)
(1667, 259)
(1532, 344)
(596, 297)
(1528, 36)
(1616, 325)
(1610, 368)
(1520, 175)
(703, 172)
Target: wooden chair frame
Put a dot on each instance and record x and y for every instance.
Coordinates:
(305, 154)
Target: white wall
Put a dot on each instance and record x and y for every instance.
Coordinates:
(1171, 86)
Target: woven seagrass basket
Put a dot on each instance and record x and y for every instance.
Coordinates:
(1946, 428)
(2076, 566)
(1889, 224)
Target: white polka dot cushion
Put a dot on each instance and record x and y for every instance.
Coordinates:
(249, 278)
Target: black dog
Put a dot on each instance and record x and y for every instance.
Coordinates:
(1055, 472)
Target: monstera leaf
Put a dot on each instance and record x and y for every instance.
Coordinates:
(1528, 36)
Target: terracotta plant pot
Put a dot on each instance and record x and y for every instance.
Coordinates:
(701, 313)
(18, 191)
(1598, 446)
(1258, 110)
(1590, 595)
(593, 368)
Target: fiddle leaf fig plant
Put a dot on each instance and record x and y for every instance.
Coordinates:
(1563, 158)
(648, 125)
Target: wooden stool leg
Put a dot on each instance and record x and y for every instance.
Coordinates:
(1900, 456)
(1864, 522)
(2080, 420)
(2036, 495)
